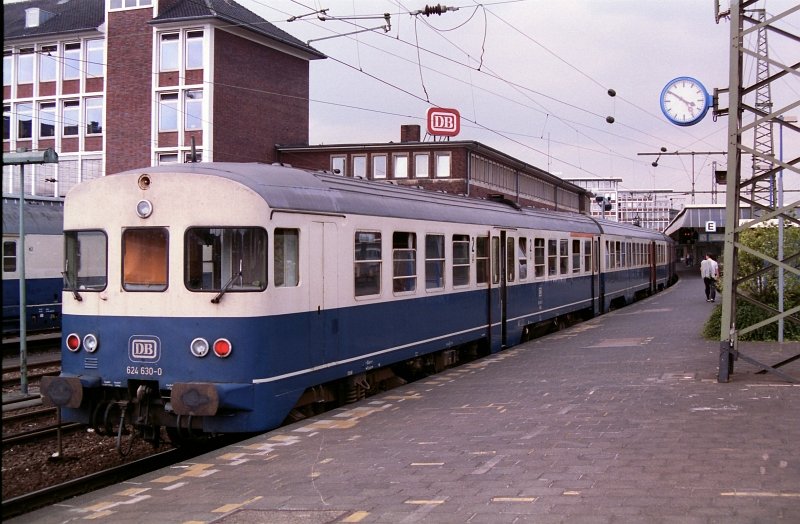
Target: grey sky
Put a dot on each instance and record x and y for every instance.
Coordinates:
(531, 78)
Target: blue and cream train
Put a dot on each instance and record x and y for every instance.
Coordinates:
(43, 264)
(219, 297)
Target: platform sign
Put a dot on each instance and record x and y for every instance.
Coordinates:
(443, 121)
(711, 226)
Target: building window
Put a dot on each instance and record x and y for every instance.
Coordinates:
(43, 178)
(338, 164)
(94, 116)
(91, 168)
(168, 52)
(47, 120)
(167, 158)
(194, 50)
(24, 121)
(94, 58)
(8, 60)
(6, 122)
(401, 165)
(69, 118)
(68, 176)
(126, 4)
(194, 109)
(72, 61)
(25, 66)
(378, 166)
(48, 63)
(168, 112)
(421, 169)
(189, 157)
(360, 166)
(442, 165)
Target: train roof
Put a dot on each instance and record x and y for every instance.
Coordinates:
(292, 189)
(42, 216)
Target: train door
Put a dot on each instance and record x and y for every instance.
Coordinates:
(497, 295)
(597, 298)
(653, 262)
(323, 291)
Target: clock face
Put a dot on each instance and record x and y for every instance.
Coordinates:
(684, 101)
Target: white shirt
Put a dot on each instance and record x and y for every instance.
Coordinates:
(709, 268)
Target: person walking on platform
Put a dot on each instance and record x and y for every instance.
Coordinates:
(709, 270)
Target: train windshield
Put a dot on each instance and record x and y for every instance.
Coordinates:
(226, 259)
(144, 259)
(85, 262)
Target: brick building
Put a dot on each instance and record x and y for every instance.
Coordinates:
(118, 84)
(461, 167)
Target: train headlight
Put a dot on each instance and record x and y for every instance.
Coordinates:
(199, 347)
(90, 343)
(144, 208)
(222, 347)
(73, 342)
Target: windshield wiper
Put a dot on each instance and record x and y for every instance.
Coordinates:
(227, 286)
(72, 286)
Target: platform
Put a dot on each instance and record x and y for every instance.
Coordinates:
(616, 420)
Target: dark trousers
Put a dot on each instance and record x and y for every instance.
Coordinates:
(711, 288)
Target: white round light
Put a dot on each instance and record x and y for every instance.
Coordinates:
(199, 347)
(90, 343)
(144, 208)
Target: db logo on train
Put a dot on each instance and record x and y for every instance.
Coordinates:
(443, 121)
(144, 348)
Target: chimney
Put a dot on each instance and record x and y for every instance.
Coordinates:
(409, 133)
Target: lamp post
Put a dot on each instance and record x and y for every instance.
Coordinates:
(19, 158)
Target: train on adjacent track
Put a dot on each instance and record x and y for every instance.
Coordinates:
(216, 298)
(42, 221)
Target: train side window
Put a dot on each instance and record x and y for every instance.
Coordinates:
(510, 262)
(434, 261)
(225, 259)
(85, 260)
(144, 259)
(482, 260)
(460, 260)
(539, 261)
(563, 258)
(404, 262)
(287, 257)
(367, 263)
(9, 256)
(552, 256)
(522, 256)
(576, 256)
(587, 255)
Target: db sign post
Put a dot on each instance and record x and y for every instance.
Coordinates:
(443, 121)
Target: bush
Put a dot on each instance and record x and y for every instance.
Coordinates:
(763, 288)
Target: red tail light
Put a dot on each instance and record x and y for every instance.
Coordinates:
(73, 342)
(222, 347)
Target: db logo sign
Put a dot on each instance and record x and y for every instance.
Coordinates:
(144, 348)
(443, 122)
